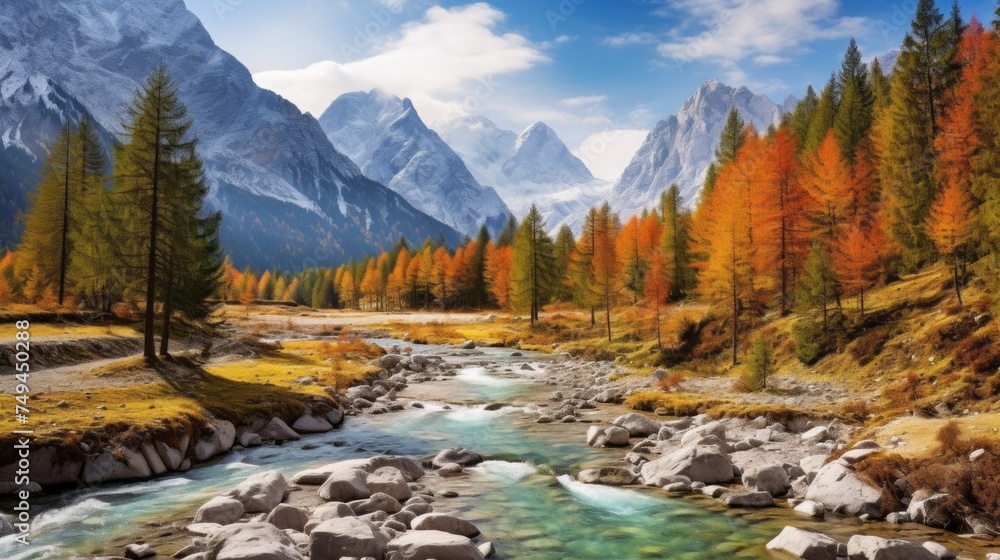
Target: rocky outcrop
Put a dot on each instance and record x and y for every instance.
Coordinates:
(705, 464)
(840, 490)
(216, 438)
(221, 510)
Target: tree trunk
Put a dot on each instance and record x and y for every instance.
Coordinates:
(65, 228)
(958, 286)
(168, 311)
(149, 346)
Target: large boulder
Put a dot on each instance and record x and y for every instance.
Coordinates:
(377, 502)
(216, 438)
(221, 510)
(804, 544)
(345, 484)
(637, 424)
(408, 467)
(171, 456)
(310, 423)
(840, 490)
(444, 522)
(715, 428)
(616, 436)
(705, 464)
(876, 548)
(772, 479)
(346, 537)
(251, 541)
(261, 492)
(457, 455)
(932, 510)
(747, 500)
(277, 430)
(428, 545)
(285, 516)
(389, 480)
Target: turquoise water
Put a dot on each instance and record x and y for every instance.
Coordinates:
(522, 498)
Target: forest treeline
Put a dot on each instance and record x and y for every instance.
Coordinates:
(875, 176)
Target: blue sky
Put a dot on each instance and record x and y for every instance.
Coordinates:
(599, 72)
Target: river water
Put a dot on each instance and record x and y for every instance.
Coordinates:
(522, 497)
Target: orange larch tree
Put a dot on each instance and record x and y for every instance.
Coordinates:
(606, 262)
(828, 182)
(949, 227)
(499, 264)
(633, 265)
(656, 288)
(860, 250)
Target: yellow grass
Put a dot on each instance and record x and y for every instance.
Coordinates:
(920, 434)
(71, 331)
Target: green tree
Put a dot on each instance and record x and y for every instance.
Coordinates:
(506, 235)
(823, 117)
(159, 193)
(676, 242)
(71, 176)
(534, 274)
(760, 364)
(565, 244)
(818, 286)
(803, 115)
(854, 113)
(924, 73)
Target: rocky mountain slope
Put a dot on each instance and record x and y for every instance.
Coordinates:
(288, 197)
(386, 137)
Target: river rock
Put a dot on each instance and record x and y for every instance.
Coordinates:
(277, 430)
(840, 490)
(457, 455)
(876, 548)
(609, 396)
(444, 522)
(700, 464)
(334, 416)
(252, 541)
(139, 551)
(221, 510)
(637, 424)
(810, 508)
(410, 469)
(288, 517)
(107, 467)
(772, 479)
(172, 457)
(747, 500)
(609, 476)
(713, 440)
(250, 439)
(804, 544)
(317, 476)
(432, 545)
(714, 428)
(468, 345)
(344, 484)
(388, 480)
(816, 435)
(310, 423)
(939, 550)
(487, 549)
(348, 537)
(377, 502)
(593, 433)
(216, 438)
(261, 492)
(931, 511)
(152, 458)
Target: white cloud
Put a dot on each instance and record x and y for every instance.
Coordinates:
(735, 30)
(608, 152)
(394, 5)
(770, 59)
(630, 38)
(583, 100)
(438, 62)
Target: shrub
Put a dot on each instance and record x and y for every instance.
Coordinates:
(980, 353)
(949, 438)
(671, 382)
(870, 344)
(811, 343)
(760, 364)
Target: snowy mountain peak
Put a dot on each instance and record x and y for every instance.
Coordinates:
(387, 138)
(680, 147)
(541, 157)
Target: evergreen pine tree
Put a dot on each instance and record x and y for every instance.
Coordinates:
(854, 113)
(565, 244)
(534, 274)
(803, 115)
(730, 142)
(818, 285)
(676, 242)
(823, 117)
